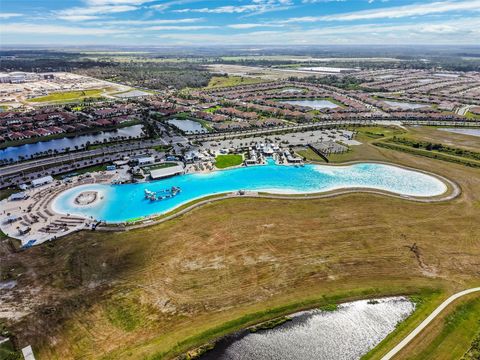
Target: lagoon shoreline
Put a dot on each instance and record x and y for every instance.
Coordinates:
(271, 181)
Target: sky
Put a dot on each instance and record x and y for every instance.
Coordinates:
(239, 22)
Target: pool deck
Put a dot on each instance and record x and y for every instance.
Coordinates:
(45, 224)
(37, 214)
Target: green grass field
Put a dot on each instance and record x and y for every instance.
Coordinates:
(85, 170)
(226, 81)
(213, 109)
(162, 148)
(68, 96)
(310, 155)
(5, 193)
(7, 352)
(225, 161)
(450, 336)
(472, 116)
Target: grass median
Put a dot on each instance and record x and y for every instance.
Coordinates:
(226, 161)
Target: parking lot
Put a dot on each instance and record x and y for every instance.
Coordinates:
(294, 139)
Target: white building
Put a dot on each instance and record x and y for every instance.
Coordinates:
(166, 172)
(17, 77)
(146, 160)
(267, 150)
(42, 181)
(18, 196)
(4, 78)
(291, 158)
(253, 158)
(330, 70)
(28, 353)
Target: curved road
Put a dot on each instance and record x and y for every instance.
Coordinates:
(427, 321)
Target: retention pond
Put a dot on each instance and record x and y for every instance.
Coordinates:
(188, 126)
(344, 334)
(314, 104)
(472, 132)
(27, 151)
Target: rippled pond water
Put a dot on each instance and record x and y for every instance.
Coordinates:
(292, 90)
(27, 150)
(345, 334)
(472, 132)
(406, 105)
(314, 104)
(188, 126)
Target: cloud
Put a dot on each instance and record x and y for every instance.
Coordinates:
(116, 2)
(9, 15)
(181, 28)
(252, 25)
(77, 17)
(152, 22)
(256, 6)
(229, 9)
(321, 1)
(448, 21)
(98, 7)
(168, 4)
(94, 10)
(25, 28)
(397, 11)
(460, 31)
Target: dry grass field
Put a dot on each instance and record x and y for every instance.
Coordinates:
(156, 292)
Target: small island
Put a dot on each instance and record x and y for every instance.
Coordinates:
(86, 198)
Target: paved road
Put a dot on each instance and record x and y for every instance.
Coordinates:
(427, 321)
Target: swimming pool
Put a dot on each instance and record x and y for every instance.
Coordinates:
(118, 203)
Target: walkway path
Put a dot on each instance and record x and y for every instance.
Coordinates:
(427, 321)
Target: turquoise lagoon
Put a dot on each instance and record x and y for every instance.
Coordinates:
(119, 203)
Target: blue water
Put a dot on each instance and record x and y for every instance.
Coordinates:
(189, 126)
(314, 104)
(406, 105)
(120, 203)
(28, 150)
(472, 132)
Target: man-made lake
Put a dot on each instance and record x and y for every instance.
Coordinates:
(27, 150)
(347, 333)
(406, 105)
(472, 132)
(292, 90)
(314, 104)
(424, 81)
(188, 126)
(447, 75)
(118, 203)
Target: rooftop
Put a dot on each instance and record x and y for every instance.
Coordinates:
(166, 172)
